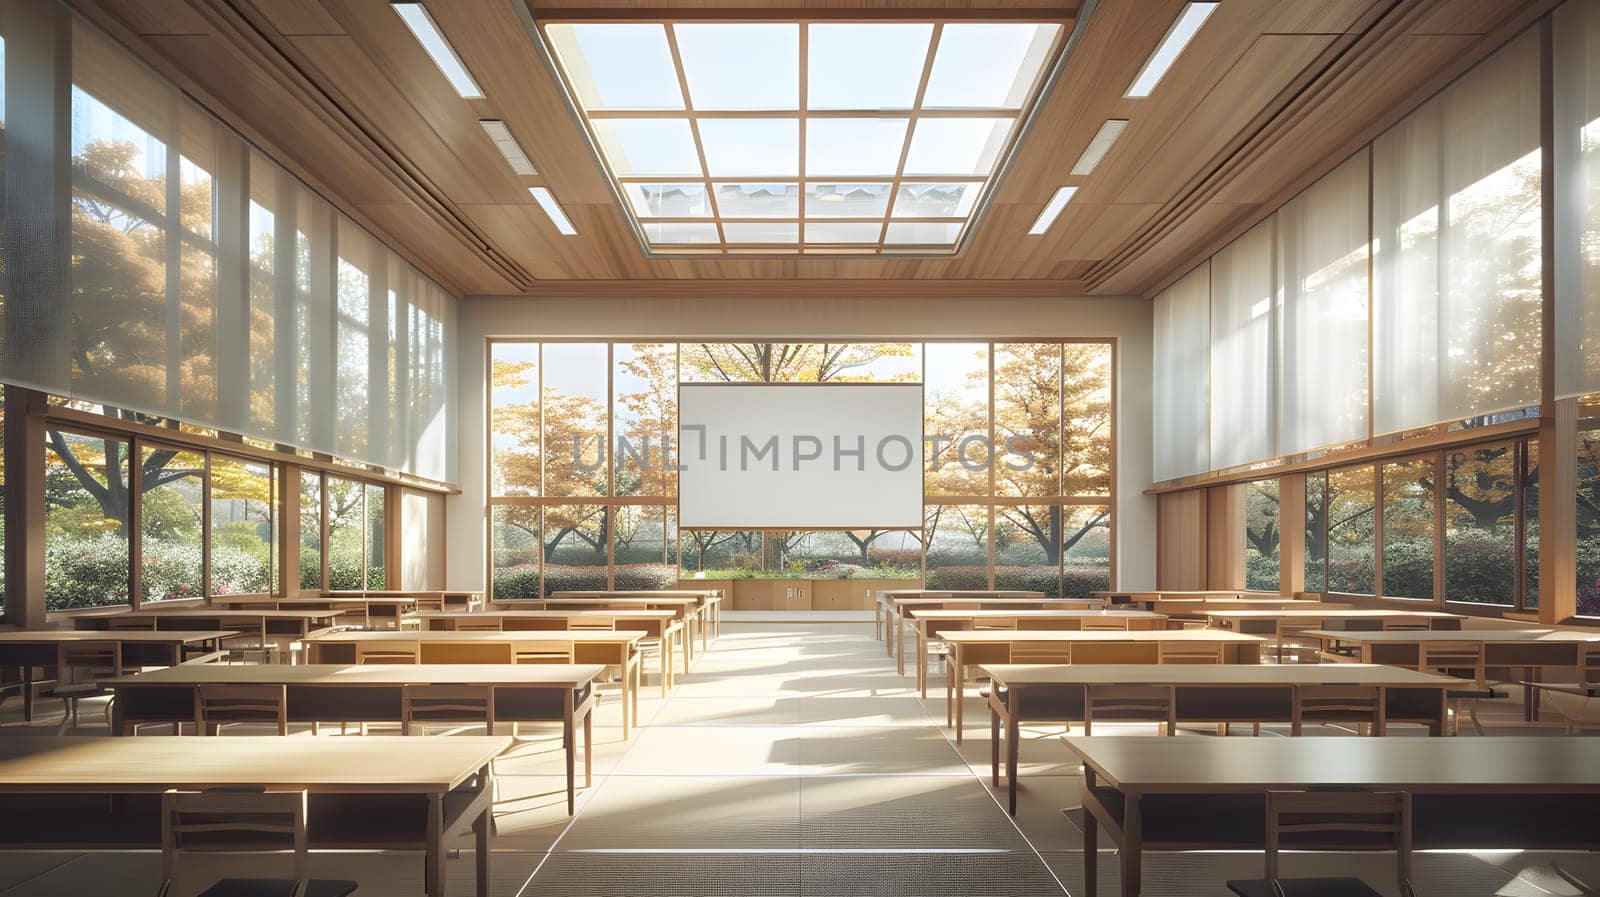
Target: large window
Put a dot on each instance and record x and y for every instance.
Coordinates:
(1408, 528)
(171, 523)
(1480, 548)
(582, 436)
(1351, 521)
(243, 530)
(86, 521)
(1261, 533)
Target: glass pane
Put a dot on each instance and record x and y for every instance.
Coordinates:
(241, 526)
(1261, 530)
(956, 146)
(843, 232)
(1530, 524)
(377, 526)
(741, 66)
(865, 66)
(958, 546)
(514, 547)
(720, 554)
(922, 234)
(575, 419)
(86, 522)
(840, 147)
(749, 232)
(1027, 548)
(345, 535)
(311, 531)
(1588, 498)
(859, 554)
(847, 201)
(956, 419)
(936, 200)
(1316, 557)
(987, 66)
(575, 548)
(684, 234)
(1027, 421)
(648, 147)
(645, 545)
(645, 417)
(668, 200)
(751, 147)
(1086, 404)
(169, 523)
(1351, 498)
(758, 200)
(1408, 528)
(1479, 537)
(618, 66)
(1086, 550)
(514, 418)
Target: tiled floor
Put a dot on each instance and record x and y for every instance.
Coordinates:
(793, 760)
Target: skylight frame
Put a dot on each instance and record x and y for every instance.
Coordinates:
(985, 185)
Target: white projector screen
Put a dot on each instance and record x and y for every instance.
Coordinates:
(800, 456)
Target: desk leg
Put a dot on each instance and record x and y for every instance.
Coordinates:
(666, 660)
(705, 626)
(1091, 839)
(1132, 846)
(628, 708)
(922, 662)
(994, 747)
(480, 828)
(433, 876)
(569, 741)
(588, 749)
(638, 686)
(688, 645)
(1013, 747)
(958, 674)
(900, 644)
(1530, 696)
(27, 694)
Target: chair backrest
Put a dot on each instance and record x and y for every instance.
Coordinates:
(479, 624)
(386, 652)
(1116, 652)
(1406, 624)
(532, 624)
(1192, 652)
(228, 703)
(1043, 652)
(1589, 666)
(1340, 820)
(592, 622)
(465, 652)
(90, 660)
(544, 652)
(1345, 702)
(233, 821)
(1105, 624)
(1049, 624)
(1452, 657)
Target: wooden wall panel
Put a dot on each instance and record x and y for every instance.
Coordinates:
(1225, 536)
(1181, 540)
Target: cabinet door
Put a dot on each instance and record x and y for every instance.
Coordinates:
(752, 594)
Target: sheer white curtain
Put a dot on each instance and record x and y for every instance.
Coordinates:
(1577, 174)
(206, 284)
(1181, 400)
(1322, 290)
(1242, 372)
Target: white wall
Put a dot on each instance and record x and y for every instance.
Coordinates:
(423, 545)
(1127, 320)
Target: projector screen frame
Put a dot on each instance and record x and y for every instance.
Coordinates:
(920, 459)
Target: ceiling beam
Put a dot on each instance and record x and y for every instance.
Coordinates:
(793, 12)
(855, 287)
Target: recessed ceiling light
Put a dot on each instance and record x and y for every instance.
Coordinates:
(1096, 150)
(508, 146)
(1178, 36)
(416, 17)
(552, 209)
(1051, 210)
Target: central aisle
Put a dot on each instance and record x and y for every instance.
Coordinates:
(793, 760)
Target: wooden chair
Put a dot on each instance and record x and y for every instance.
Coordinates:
(465, 652)
(387, 652)
(479, 624)
(543, 652)
(1192, 652)
(1116, 652)
(79, 667)
(217, 705)
(1454, 659)
(455, 704)
(1332, 820)
(1291, 635)
(239, 821)
(1337, 704)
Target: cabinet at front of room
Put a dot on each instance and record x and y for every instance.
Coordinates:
(801, 594)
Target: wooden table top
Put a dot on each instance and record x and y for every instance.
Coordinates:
(592, 636)
(1002, 602)
(678, 600)
(480, 674)
(1372, 674)
(167, 636)
(54, 763)
(969, 594)
(637, 613)
(1497, 636)
(938, 613)
(637, 593)
(353, 600)
(1002, 636)
(1515, 764)
(231, 613)
(1153, 595)
(1345, 613)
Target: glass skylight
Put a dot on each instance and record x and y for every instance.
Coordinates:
(793, 137)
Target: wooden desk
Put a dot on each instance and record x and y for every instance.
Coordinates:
(618, 648)
(886, 600)
(1233, 693)
(663, 624)
(932, 623)
(1282, 623)
(29, 649)
(281, 626)
(689, 608)
(364, 793)
(994, 647)
(1198, 608)
(315, 693)
(366, 609)
(1210, 793)
(900, 608)
(436, 599)
(1150, 595)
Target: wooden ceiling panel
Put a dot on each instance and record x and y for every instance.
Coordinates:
(1472, 17)
(162, 17)
(302, 17)
(410, 226)
(1154, 263)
